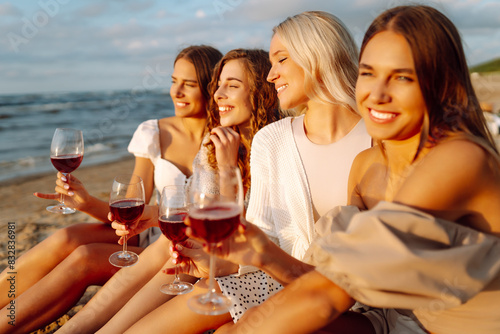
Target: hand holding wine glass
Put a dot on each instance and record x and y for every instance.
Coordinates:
(171, 215)
(126, 203)
(215, 200)
(66, 154)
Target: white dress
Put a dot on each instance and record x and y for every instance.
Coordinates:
(281, 205)
(146, 144)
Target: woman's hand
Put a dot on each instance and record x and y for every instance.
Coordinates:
(247, 246)
(75, 194)
(227, 144)
(149, 219)
(191, 259)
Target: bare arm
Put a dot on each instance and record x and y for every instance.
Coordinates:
(307, 305)
(250, 246)
(144, 168)
(76, 196)
(358, 170)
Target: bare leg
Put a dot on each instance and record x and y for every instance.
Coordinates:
(118, 290)
(306, 305)
(144, 301)
(41, 259)
(176, 317)
(53, 295)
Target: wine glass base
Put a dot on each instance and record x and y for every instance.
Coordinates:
(178, 288)
(209, 304)
(123, 259)
(59, 208)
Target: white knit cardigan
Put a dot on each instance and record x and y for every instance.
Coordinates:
(280, 201)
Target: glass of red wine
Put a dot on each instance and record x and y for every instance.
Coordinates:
(126, 203)
(172, 212)
(215, 200)
(66, 154)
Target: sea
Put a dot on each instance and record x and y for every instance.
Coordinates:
(107, 119)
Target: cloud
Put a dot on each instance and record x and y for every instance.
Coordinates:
(200, 14)
(99, 44)
(93, 10)
(8, 9)
(139, 6)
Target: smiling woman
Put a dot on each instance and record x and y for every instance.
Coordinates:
(388, 91)
(233, 95)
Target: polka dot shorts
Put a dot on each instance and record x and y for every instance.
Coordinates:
(247, 291)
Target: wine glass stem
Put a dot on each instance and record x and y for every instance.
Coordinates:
(125, 244)
(62, 196)
(176, 275)
(211, 277)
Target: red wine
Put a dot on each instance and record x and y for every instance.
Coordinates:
(66, 163)
(127, 211)
(173, 226)
(215, 223)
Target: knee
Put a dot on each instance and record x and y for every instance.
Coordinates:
(85, 265)
(81, 259)
(68, 238)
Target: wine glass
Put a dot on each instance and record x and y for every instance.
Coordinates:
(215, 200)
(126, 203)
(172, 212)
(66, 154)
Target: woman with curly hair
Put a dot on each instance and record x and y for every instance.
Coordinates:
(243, 102)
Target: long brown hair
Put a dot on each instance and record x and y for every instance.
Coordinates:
(204, 58)
(263, 98)
(441, 67)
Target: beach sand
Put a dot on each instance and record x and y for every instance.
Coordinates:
(33, 223)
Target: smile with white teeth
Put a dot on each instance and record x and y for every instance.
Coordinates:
(225, 109)
(181, 104)
(382, 115)
(280, 88)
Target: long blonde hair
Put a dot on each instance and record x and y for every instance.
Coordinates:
(322, 46)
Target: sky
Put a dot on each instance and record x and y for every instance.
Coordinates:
(95, 45)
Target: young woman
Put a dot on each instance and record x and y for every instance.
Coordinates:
(243, 102)
(300, 165)
(57, 271)
(427, 249)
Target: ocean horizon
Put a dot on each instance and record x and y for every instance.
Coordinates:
(107, 119)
